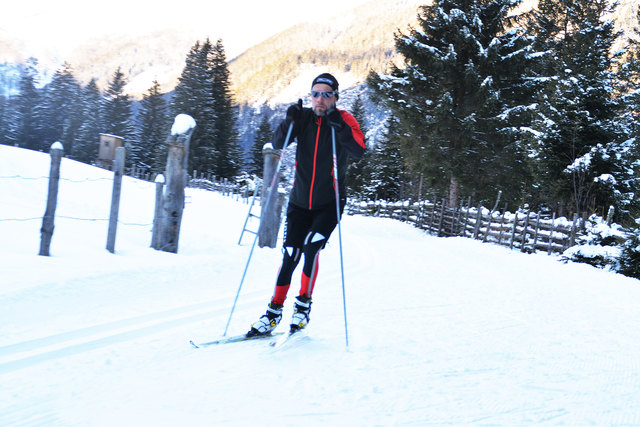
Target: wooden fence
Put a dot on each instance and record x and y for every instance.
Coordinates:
(524, 230)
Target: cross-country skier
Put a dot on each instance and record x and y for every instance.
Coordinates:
(311, 214)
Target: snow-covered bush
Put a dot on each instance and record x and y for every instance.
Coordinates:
(629, 261)
(600, 245)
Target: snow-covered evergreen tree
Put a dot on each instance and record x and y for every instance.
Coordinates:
(5, 120)
(264, 135)
(24, 130)
(57, 105)
(118, 118)
(193, 96)
(86, 140)
(385, 172)
(75, 120)
(629, 261)
(581, 141)
(462, 96)
(154, 128)
(359, 172)
(228, 156)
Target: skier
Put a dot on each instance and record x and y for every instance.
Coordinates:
(311, 214)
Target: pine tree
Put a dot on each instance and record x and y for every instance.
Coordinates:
(24, 131)
(578, 118)
(228, 158)
(57, 104)
(387, 170)
(5, 120)
(627, 158)
(264, 135)
(86, 140)
(75, 120)
(462, 96)
(193, 96)
(117, 116)
(154, 128)
(358, 172)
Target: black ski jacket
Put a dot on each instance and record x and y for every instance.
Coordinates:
(313, 187)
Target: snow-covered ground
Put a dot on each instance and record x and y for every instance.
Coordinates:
(441, 331)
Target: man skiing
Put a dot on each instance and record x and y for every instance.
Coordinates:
(312, 213)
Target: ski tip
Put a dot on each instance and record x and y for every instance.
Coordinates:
(193, 344)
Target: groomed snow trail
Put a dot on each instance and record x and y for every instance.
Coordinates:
(442, 331)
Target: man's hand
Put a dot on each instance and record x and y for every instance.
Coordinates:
(334, 119)
(294, 112)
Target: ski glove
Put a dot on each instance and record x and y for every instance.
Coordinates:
(334, 119)
(294, 112)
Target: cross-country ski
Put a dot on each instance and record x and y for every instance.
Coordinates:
(288, 338)
(234, 339)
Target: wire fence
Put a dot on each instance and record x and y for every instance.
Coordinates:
(523, 230)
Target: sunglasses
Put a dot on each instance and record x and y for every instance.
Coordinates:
(322, 93)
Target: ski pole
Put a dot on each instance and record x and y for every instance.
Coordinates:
(273, 188)
(335, 178)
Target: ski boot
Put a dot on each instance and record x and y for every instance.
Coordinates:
(267, 322)
(301, 309)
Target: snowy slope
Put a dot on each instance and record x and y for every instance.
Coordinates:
(442, 331)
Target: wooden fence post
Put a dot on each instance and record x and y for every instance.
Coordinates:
(270, 216)
(173, 200)
(444, 201)
(504, 212)
(155, 231)
(535, 236)
(476, 229)
(513, 230)
(176, 180)
(454, 220)
(118, 171)
(495, 206)
(572, 235)
(553, 226)
(466, 218)
(46, 232)
(524, 240)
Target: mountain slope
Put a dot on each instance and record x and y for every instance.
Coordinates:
(349, 45)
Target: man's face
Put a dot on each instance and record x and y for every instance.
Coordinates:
(320, 104)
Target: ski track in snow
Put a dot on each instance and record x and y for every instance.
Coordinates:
(445, 332)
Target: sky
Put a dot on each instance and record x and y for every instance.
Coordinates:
(60, 25)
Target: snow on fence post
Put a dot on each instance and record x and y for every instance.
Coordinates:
(176, 177)
(46, 232)
(270, 214)
(155, 231)
(118, 171)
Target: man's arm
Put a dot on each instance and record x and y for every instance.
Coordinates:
(350, 135)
